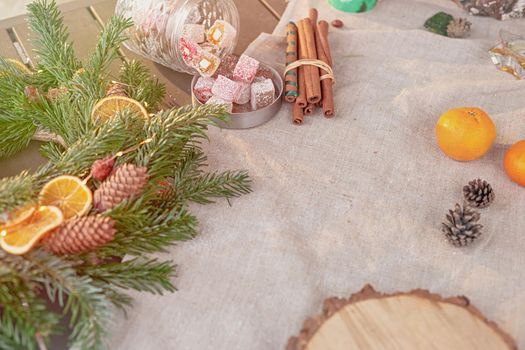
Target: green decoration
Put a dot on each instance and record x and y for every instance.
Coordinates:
(88, 286)
(353, 5)
(439, 23)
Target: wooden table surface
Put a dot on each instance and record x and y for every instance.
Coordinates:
(85, 18)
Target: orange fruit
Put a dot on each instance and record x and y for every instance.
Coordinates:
(21, 238)
(465, 133)
(514, 162)
(17, 216)
(69, 193)
(106, 108)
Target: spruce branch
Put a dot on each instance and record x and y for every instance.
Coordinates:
(86, 303)
(140, 232)
(23, 315)
(57, 61)
(120, 300)
(93, 80)
(77, 159)
(143, 275)
(141, 86)
(87, 286)
(15, 191)
(206, 188)
(15, 134)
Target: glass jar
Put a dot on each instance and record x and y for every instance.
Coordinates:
(159, 26)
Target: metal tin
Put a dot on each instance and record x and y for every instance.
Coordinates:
(252, 119)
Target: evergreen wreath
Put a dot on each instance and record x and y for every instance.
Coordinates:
(54, 102)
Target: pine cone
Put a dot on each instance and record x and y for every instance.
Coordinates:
(102, 168)
(55, 93)
(31, 93)
(478, 193)
(117, 89)
(461, 228)
(81, 235)
(127, 182)
(458, 28)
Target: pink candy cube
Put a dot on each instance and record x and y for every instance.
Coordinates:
(228, 106)
(263, 94)
(206, 63)
(264, 72)
(202, 89)
(193, 33)
(244, 94)
(227, 66)
(246, 69)
(225, 88)
(188, 50)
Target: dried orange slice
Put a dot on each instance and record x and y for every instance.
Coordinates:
(22, 68)
(106, 108)
(21, 238)
(17, 216)
(69, 193)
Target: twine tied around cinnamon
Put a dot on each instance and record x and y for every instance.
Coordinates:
(313, 62)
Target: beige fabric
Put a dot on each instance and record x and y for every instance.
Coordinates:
(354, 200)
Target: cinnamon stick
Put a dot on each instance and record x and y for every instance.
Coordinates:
(290, 91)
(313, 14)
(309, 51)
(297, 114)
(323, 52)
(309, 109)
(301, 97)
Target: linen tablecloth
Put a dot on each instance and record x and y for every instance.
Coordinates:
(353, 200)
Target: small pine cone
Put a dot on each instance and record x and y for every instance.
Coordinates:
(117, 89)
(102, 168)
(478, 193)
(126, 182)
(458, 28)
(31, 93)
(81, 235)
(461, 227)
(54, 93)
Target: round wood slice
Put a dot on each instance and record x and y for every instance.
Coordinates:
(413, 320)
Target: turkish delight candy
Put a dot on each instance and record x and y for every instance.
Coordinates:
(221, 33)
(500, 9)
(264, 72)
(194, 33)
(247, 107)
(225, 88)
(202, 89)
(262, 94)
(206, 63)
(188, 50)
(246, 69)
(216, 100)
(214, 50)
(244, 94)
(228, 63)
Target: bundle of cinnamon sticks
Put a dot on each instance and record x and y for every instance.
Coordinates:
(309, 77)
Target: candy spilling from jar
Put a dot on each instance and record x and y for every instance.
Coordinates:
(509, 55)
(241, 84)
(201, 49)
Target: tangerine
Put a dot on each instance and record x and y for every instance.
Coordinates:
(514, 162)
(465, 133)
